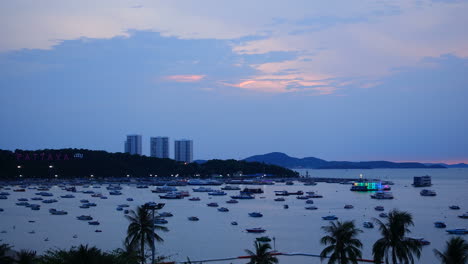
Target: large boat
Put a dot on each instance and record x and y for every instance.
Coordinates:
(255, 214)
(329, 217)
(286, 193)
(458, 231)
(255, 230)
(382, 196)
(427, 192)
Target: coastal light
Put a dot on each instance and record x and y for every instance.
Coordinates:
(91, 175)
(56, 176)
(50, 166)
(20, 175)
(19, 167)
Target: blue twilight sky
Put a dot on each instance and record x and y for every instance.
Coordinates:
(339, 80)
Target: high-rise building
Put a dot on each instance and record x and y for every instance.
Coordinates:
(183, 150)
(159, 147)
(133, 144)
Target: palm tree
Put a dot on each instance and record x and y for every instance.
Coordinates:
(4, 248)
(77, 255)
(456, 252)
(343, 244)
(140, 230)
(261, 255)
(394, 244)
(26, 257)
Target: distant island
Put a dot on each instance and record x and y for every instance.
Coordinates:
(70, 163)
(283, 160)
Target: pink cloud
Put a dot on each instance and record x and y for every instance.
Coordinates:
(185, 78)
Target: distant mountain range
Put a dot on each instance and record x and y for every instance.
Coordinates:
(281, 159)
(458, 165)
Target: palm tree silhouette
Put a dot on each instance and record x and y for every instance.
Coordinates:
(456, 252)
(261, 254)
(343, 245)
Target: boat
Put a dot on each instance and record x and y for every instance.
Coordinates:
(84, 217)
(263, 239)
(160, 221)
(75, 236)
(458, 231)
(286, 193)
(311, 208)
(281, 199)
(32, 232)
(234, 223)
(310, 201)
(84, 201)
(193, 218)
(368, 224)
(251, 191)
(421, 241)
(98, 231)
(67, 196)
(310, 184)
(285, 206)
(382, 196)
(19, 190)
(126, 211)
(49, 201)
(124, 205)
(202, 189)
(212, 204)
(230, 188)
(217, 193)
(255, 214)
(171, 196)
(223, 209)
(289, 183)
(300, 197)
(113, 193)
(22, 204)
(440, 224)
(329, 217)
(383, 215)
(315, 196)
(119, 208)
(232, 201)
(454, 207)
(3, 197)
(129, 199)
(94, 223)
(464, 216)
(23, 199)
(427, 192)
(243, 197)
(165, 214)
(103, 197)
(56, 212)
(4, 193)
(348, 206)
(255, 230)
(1, 210)
(194, 199)
(379, 208)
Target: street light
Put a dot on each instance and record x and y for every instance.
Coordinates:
(153, 206)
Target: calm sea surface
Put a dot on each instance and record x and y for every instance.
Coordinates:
(295, 229)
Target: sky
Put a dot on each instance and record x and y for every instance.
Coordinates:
(339, 80)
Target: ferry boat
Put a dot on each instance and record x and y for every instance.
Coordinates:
(440, 224)
(427, 192)
(368, 224)
(382, 196)
(255, 230)
(255, 214)
(329, 217)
